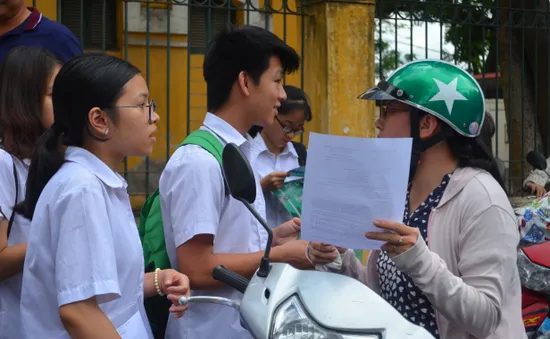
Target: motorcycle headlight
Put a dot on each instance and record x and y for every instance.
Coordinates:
(292, 322)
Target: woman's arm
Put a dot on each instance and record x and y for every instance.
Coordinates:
(12, 257)
(353, 267)
(84, 319)
(537, 177)
(486, 261)
(322, 254)
(170, 283)
(149, 289)
(167, 281)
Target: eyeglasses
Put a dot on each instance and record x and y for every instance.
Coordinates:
(384, 111)
(288, 130)
(152, 108)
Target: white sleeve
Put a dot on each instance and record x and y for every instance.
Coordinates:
(7, 184)
(474, 300)
(85, 262)
(191, 190)
(538, 177)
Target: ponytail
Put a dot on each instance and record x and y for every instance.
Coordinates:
(47, 159)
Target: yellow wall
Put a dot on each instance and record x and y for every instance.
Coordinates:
(46, 7)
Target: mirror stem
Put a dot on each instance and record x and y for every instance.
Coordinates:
(265, 266)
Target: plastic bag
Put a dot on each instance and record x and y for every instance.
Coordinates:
(532, 276)
(534, 222)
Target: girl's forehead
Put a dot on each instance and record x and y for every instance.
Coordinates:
(295, 114)
(393, 104)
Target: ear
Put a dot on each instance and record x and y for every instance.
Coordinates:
(99, 122)
(429, 125)
(244, 81)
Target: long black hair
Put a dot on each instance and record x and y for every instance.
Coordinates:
(296, 98)
(477, 152)
(488, 130)
(471, 152)
(24, 76)
(86, 81)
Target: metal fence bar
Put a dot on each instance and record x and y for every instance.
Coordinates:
(148, 79)
(168, 77)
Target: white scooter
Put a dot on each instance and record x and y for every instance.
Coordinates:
(281, 302)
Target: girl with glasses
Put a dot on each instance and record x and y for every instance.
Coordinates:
(84, 269)
(274, 152)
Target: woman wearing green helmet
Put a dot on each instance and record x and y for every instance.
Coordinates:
(451, 265)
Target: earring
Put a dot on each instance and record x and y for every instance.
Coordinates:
(105, 131)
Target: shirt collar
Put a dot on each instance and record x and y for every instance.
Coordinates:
(261, 147)
(224, 130)
(30, 23)
(96, 166)
(33, 20)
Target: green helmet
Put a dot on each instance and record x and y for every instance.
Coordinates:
(438, 88)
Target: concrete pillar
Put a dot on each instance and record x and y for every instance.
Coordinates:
(339, 65)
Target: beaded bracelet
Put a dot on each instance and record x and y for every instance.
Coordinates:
(156, 282)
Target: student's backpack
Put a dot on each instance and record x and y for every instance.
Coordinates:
(302, 153)
(151, 233)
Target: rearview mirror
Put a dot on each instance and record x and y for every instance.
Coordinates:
(238, 174)
(242, 185)
(536, 160)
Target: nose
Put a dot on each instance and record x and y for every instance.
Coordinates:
(156, 118)
(282, 93)
(378, 124)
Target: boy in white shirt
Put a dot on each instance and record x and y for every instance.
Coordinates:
(204, 227)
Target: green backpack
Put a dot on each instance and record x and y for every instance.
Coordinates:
(151, 233)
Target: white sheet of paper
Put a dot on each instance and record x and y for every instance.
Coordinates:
(351, 182)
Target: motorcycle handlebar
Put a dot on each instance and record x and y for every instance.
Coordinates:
(230, 278)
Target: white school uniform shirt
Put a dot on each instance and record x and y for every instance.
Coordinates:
(193, 201)
(10, 289)
(264, 162)
(83, 242)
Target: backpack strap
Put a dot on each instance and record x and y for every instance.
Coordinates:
(16, 180)
(210, 143)
(302, 153)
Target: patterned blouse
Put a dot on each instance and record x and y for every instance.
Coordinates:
(396, 287)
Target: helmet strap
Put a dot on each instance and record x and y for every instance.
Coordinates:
(421, 145)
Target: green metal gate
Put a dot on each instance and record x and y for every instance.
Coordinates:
(504, 44)
(167, 40)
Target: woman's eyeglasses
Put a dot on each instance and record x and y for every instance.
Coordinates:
(288, 130)
(152, 108)
(385, 111)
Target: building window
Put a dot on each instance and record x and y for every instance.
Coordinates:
(206, 21)
(93, 22)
